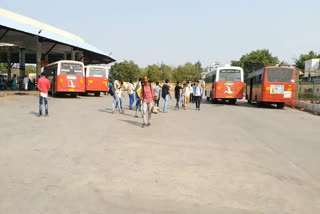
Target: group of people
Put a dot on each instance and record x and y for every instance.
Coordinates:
(17, 83)
(148, 98)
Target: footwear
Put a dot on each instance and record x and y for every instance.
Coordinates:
(143, 125)
(39, 115)
(136, 116)
(149, 124)
(47, 115)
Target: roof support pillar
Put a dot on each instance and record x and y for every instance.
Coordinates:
(38, 56)
(22, 62)
(65, 56)
(9, 64)
(73, 54)
(81, 56)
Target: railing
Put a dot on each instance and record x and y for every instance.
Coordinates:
(308, 90)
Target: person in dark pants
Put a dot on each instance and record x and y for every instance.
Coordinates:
(197, 93)
(177, 95)
(191, 94)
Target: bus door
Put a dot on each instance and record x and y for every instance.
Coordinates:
(251, 88)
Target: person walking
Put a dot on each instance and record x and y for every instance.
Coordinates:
(121, 96)
(43, 86)
(188, 91)
(138, 103)
(146, 98)
(25, 82)
(14, 82)
(165, 95)
(157, 93)
(198, 92)
(177, 94)
(130, 90)
(182, 94)
(116, 96)
(191, 94)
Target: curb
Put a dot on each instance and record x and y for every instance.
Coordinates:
(304, 106)
(21, 93)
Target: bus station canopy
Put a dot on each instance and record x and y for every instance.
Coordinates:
(20, 32)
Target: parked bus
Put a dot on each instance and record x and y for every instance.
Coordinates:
(227, 83)
(96, 79)
(271, 85)
(66, 77)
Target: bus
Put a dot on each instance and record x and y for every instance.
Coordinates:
(225, 83)
(96, 79)
(271, 85)
(66, 77)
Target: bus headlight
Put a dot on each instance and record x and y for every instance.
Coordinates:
(81, 81)
(61, 80)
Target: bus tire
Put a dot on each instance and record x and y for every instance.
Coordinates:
(74, 95)
(259, 104)
(249, 101)
(232, 101)
(280, 105)
(214, 101)
(97, 93)
(208, 98)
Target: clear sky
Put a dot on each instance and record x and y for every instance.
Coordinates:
(177, 31)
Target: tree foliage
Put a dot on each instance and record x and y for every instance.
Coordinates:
(300, 62)
(153, 72)
(124, 71)
(256, 60)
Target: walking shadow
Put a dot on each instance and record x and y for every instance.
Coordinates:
(135, 123)
(106, 110)
(34, 113)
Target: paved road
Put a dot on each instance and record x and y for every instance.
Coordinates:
(224, 159)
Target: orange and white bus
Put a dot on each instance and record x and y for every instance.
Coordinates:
(271, 85)
(66, 77)
(225, 83)
(96, 79)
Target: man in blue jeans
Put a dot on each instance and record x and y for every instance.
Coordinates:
(165, 95)
(43, 86)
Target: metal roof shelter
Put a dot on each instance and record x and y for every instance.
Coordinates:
(25, 40)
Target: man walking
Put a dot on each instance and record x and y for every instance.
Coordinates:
(146, 98)
(25, 82)
(130, 90)
(188, 91)
(165, 95)
(157, 93)
(43, 86)
(116, 96)
(177, 95)
(198, 92)
(192, 100)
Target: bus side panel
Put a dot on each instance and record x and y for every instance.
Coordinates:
(229, 90)
(68, 83)
(97, 84)
(257, 92)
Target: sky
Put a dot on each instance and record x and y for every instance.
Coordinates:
(178, 31)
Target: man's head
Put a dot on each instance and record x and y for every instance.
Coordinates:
(178, 82)
(197, 83)
(167, 81)
(157, 83)
(140, 79)
(42, 75)
(130, 81)
(146, 80)
(187, 83)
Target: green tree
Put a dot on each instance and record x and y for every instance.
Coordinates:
(166, 72)
(256, 60)
(124, 71)
(300, 62)
(153, 72)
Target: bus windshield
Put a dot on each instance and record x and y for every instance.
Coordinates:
(279, 74)
(97, 72)
(71, 69)
(230, 75)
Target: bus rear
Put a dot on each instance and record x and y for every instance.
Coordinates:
(278, 85)
(96, 79)
(229, 84)
(70, 77)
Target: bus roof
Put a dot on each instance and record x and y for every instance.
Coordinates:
(260, 71)
(64, 61)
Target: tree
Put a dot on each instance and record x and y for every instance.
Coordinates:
(124, 71)
(300, 62)
(153, 72)
(256, 60)
(166, 72)
(188, 72)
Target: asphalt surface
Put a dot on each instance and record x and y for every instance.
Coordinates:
(224, 159)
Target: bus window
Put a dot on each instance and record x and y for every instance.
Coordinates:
(279, 74)
(71, 69)
(97, 72)
(214, 78)
(230, 75)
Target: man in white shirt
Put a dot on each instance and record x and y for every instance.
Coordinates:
(187, 93)
(26, 82)
(130, 90)
(197, 92)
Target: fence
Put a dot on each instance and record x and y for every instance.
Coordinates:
(309, 91)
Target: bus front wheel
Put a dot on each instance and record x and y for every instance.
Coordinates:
(280, 105)
(232, 101)
(97, 93)
(214, 101)
(208, 98)
(74, 95)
